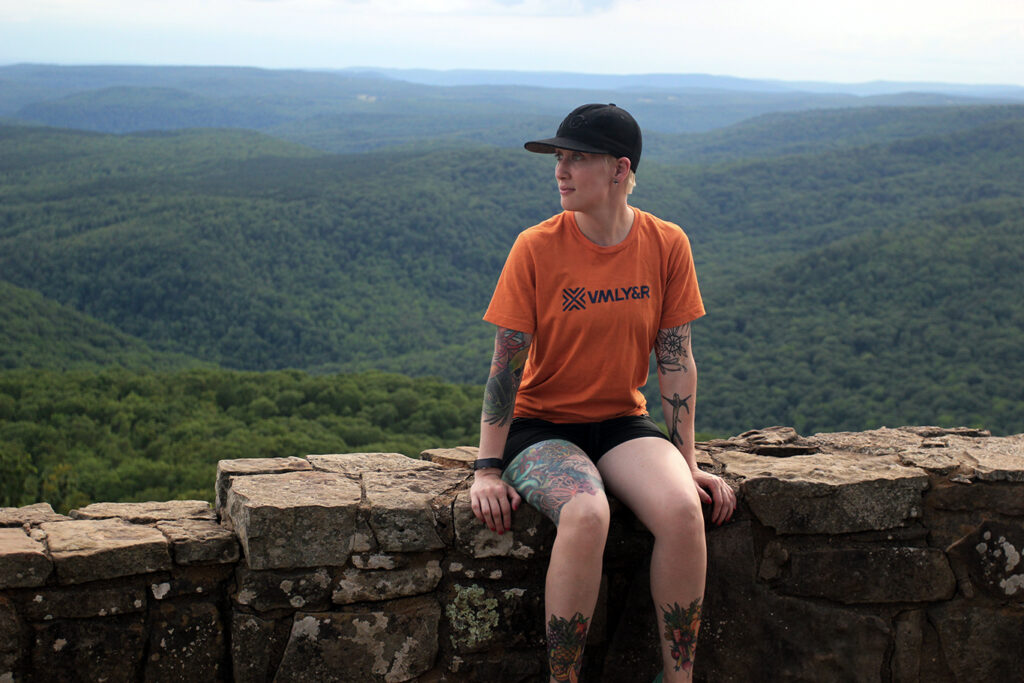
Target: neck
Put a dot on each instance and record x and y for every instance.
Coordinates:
(606, 228)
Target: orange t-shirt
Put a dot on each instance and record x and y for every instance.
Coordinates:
(593, 312)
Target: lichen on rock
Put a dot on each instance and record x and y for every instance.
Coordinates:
(472, 617)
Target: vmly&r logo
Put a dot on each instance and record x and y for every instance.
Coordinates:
(577, 298)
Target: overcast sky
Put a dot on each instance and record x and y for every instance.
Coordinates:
(959, 41)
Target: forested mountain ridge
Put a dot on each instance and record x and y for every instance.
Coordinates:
(39, 333)
(351, 112)
(253, 253)
(788, 133)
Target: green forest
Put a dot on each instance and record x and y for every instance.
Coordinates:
(75, 437)
(172, 297)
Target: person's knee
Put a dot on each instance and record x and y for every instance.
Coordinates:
(586, 514)
(680, 515)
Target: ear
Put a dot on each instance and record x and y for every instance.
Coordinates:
(621, 168)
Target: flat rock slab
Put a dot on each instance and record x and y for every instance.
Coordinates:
(23, 560)
(459, 458)
(400, 511)
(994, 459)
(883, 441)
(200, 541)
(241, 467)
(31, 515)
(295, 519)
(775, 441)
(147, 513)
(358, 463)
(87, 550)
(828, 493)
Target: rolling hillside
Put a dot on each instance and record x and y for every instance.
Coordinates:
(852, 279)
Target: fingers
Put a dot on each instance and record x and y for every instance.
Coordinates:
(705, 497)
(725, 502)
(493, 504)
(715, 490)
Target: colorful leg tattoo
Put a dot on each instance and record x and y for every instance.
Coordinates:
(681, 626)
(550, 474)
(566, 638)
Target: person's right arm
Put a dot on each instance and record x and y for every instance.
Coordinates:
(493, 500)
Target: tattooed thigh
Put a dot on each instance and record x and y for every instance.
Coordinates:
(550, 473)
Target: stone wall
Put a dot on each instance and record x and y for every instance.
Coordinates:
(889, 555)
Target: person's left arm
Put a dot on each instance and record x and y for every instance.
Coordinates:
(677, 380)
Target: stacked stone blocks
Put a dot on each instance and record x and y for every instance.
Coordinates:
(889, 555)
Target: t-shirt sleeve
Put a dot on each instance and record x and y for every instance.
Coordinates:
(682, 302)
(513, 304)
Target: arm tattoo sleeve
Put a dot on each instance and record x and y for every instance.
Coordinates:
(670, 348)
(510, 351)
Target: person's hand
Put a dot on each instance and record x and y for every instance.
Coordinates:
(714, 489)
(493, 500)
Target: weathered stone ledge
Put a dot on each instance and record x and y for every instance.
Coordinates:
(889, 555)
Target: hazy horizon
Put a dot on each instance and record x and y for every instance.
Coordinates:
(937, 41)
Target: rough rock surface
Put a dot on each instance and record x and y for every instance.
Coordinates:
(147, 513)
(23, 560)
(199, 541)
(889, 555)
(358, 463)
(30, 515)
(840, 493)
(387, 642)
(460, 458)
(249, 466)
(281, 519)
(88, 550)
(400, 510)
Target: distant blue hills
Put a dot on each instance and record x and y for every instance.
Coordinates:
(567, 79)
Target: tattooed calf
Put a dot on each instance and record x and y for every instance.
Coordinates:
(681, 626)
(566, 638)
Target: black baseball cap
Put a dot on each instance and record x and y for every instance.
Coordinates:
(598, 129)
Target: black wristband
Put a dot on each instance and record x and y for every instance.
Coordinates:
(484, 463)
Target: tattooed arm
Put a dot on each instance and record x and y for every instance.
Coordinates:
(677, 379)
(493, 500)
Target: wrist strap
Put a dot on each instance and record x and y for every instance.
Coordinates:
(484, 463)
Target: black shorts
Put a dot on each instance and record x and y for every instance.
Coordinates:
(593, 438)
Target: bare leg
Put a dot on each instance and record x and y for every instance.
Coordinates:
(652, 479)
(553, 476)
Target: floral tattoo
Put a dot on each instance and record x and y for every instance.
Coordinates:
(670, 348)
(566, 638)
(681, 626)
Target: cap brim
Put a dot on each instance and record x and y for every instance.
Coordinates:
(549, 145)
